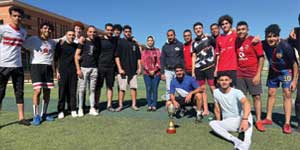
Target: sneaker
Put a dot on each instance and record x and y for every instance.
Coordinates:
(24, 122)
(80, 113)
(135, 108)
(120, 108)
(260, 126)
(74, 114)
(61, 115)
(154, 108)
(93, 112)
(287, 129)
(242, 146)
(181, 113)
(199, 118)
(47, 118)
(267, 122)
(149, 109)
(36, 120)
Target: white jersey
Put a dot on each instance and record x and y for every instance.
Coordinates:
(41, 52)
(11, 41)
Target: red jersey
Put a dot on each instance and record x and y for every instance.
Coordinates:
(187, 51)
(248, 55)
(225, 48)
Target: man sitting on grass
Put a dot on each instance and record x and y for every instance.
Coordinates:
(188, 91)
(234, 107)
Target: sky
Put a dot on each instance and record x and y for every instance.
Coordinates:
(155, 17)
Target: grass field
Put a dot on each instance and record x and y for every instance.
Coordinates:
(127, 130)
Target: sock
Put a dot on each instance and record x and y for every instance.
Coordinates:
(35, 110)
(199, 112)
(44, 108)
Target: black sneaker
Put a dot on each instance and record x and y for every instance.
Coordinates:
(24, 122)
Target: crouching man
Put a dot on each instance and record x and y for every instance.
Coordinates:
(188, 92)
(232, 112)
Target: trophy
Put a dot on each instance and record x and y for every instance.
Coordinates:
(171, 128)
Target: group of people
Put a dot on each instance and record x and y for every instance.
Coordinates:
(230, 62)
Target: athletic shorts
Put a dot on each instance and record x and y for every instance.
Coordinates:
(42, 76)
(246, 85)
(203, 75)
(107, 74)
(275, 78)
(123, 82)
(181, 101)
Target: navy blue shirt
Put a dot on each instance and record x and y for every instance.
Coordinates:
(188, 84)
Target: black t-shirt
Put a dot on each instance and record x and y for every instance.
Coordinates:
(89, 54)
(106, 57)
(129, 54)
(65, 53)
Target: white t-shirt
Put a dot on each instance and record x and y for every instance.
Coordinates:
(11, 41)
(41, 52)
(229, 102)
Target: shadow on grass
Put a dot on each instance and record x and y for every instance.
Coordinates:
(279, 118)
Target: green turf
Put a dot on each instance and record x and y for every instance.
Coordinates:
(126, 130)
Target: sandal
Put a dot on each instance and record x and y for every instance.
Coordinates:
(120, 108)
(109, 108)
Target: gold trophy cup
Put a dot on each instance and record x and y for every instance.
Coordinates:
(171, 111)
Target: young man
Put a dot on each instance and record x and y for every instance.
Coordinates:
(187, 51)
(66, 74)
(42, 53)
(171, 54)
(250, 64)
(117, 31)
(106, 65)
(128, 60)
(86, 65)
(283, 69)
(11, 39)
(214, 30)
(188, 92)
(203, 62)
(225, 49)
(232, 112)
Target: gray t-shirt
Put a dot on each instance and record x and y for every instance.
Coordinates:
(230, 104)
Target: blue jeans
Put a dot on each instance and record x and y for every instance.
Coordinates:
(151, 84)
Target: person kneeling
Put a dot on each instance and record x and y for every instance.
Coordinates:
(187, 89)
(234, 107)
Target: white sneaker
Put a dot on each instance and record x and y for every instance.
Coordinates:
(80, 113)
(61, 115)
(243, 146)
(74, 114)
(93, 112)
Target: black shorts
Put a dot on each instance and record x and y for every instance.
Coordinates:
(181, 101)
(42, 76)
(17, 76)
(207, 74)
(107, 74)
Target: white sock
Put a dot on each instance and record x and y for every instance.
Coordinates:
(44, 108)
(199, 112)
(35, 110)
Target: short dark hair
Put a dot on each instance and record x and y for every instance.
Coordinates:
(109, 25)
(225, 17)
(187, 30)
(171, 30)
(222, 74)
(127, 27)
(91, 26)
(79, 24)
(273, 28)
(47, 24)
(197, 24)
(117, 27)
(16, 9)
(178, 66)
(242, 23)
(213, 24)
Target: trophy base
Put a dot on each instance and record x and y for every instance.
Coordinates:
(171, 131)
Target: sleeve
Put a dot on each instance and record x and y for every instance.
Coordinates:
(217, 46)
(212, 42)
(157, 65)
(259, 49)
(194, 83)
(80, 46)
(28, 43)
(172, 87)
(291, 54)
(162, 60)
(57, 52)
(138, 52)
(193, 47)
(181, 55)
(143, 60)
(118, 49)
(215, 96)
(239, 94)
